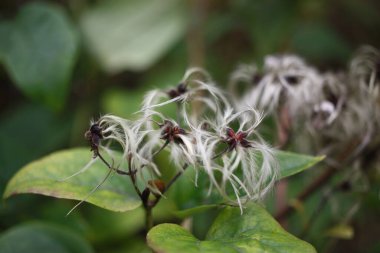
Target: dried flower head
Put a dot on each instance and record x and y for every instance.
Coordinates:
(239, 163)
(333, 98)
(342, 115)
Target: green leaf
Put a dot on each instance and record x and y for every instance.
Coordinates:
(38, 49)
(132, 34)
(253, 231)
(122, 103)
(191, 211)
(190, 198)
(40, 237)
(45, 176)
(18, 147)
(292, 163)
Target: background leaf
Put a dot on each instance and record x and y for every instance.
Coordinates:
(23, 138)
(330, 47)
(42, 177)
(40, 237)
(191, 211)
(341, 231)
(293, 163)
(132, 34)
(38, 49)
(253, 231)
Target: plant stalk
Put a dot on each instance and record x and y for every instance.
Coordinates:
(148, 218)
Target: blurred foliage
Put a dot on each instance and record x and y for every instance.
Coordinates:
(35, 238)
(38, 49)
(132, 34)
(28, 131)
(64, 62)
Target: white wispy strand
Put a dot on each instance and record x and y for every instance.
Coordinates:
(85, 168)
(206, 144)
(200, 89)
(256, 178)
(196, 71)
(180, 153)
(152, 99)
(131, 136)
(244, 73)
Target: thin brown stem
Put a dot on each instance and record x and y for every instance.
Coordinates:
(121, 172)
(320, 181)
(157, 152)
(161, 148)
(132, 175)
(284, 127)
(176, 176)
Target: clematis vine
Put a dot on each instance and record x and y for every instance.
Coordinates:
(239, 164)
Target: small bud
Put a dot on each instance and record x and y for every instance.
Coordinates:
(172, 132)
(177, 91)
(233, 139)
(157, 184)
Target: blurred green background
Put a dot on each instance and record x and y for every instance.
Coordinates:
(65, 62)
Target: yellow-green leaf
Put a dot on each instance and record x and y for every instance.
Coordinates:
(341, 231)
(45, 176)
